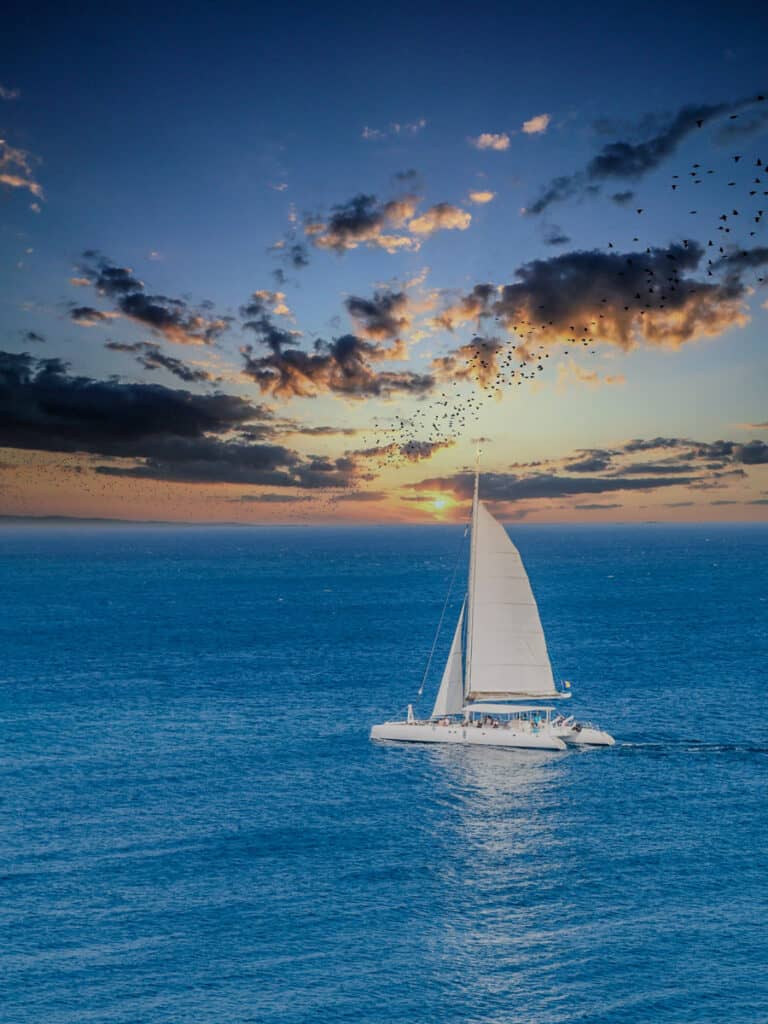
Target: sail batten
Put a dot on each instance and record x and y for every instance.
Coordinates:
(506, 649)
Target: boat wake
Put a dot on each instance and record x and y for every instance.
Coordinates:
(690, 746)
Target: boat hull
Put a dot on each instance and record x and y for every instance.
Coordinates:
(586, 737)
(432, 732)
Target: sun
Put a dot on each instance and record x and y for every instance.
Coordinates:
(439, 504)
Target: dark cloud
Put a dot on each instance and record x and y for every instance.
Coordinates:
(616, 297)
(592, 461)
(644, 468)
(412, 451)
(743, 259)
(714, 453)
(32, 338)
(290, 427)
(632, 160)
(87, 316)
(153, 432)
(410, 179)
(172, 318)
(623, 198)
(732, 131)
(342, 366)
(625, 159)
(555, 236)
(639, 444)
(151, 357)
(504, 487)
(270, 499)
(297, 255)
(594, 506)
(750, 453)
(43, 407)
(361, 496)
(601, 471)
(384, 316)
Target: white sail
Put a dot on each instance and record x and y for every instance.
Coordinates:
(506, 650)
(450, 696)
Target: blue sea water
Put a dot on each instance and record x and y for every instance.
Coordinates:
(194, 826)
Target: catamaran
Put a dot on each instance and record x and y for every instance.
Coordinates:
(497, 681)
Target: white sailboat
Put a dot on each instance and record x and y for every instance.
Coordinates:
(498, 675)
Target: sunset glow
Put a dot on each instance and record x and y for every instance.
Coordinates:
(312, 316)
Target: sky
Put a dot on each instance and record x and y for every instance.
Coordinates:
(301, 264)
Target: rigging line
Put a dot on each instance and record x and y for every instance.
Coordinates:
(442, 614)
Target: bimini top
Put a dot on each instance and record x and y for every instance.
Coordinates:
(505, 709)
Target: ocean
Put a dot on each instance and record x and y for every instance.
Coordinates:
(195, 827)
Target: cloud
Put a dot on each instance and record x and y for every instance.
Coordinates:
(593, 460)
(572, 372)
(320, 430)
(732, 131)
(32, 337)
(361, 496)
(555, 236)
(151, 432)
(537, 125)
(269, 499)
(87, 316)
(630, 160)
(395, 128)
(623, 198)
(411, 451)
(9, 94)
(42, 406)
(621, 298)
(478, 361)
(16, 170)
(392, 226)
(297, 257)
(365, 221)
(441, 217)
(687, 463)
(482, 197)
(743, 259)
(386, 315)
(151, 357)
(276, 301)
(342, 366)
(467, 309)
(173, 319)
(594, 507)
(489, 140)
(510, 487)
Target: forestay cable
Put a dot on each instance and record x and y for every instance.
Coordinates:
(442, 614)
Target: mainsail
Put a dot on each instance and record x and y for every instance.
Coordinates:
(506, 650)
(450, 696)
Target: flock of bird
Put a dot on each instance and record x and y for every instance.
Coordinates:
(494, 366)
(519, 352)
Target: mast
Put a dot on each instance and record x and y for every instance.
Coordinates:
(471, 581)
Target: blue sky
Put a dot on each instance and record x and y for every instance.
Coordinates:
(185, 145)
